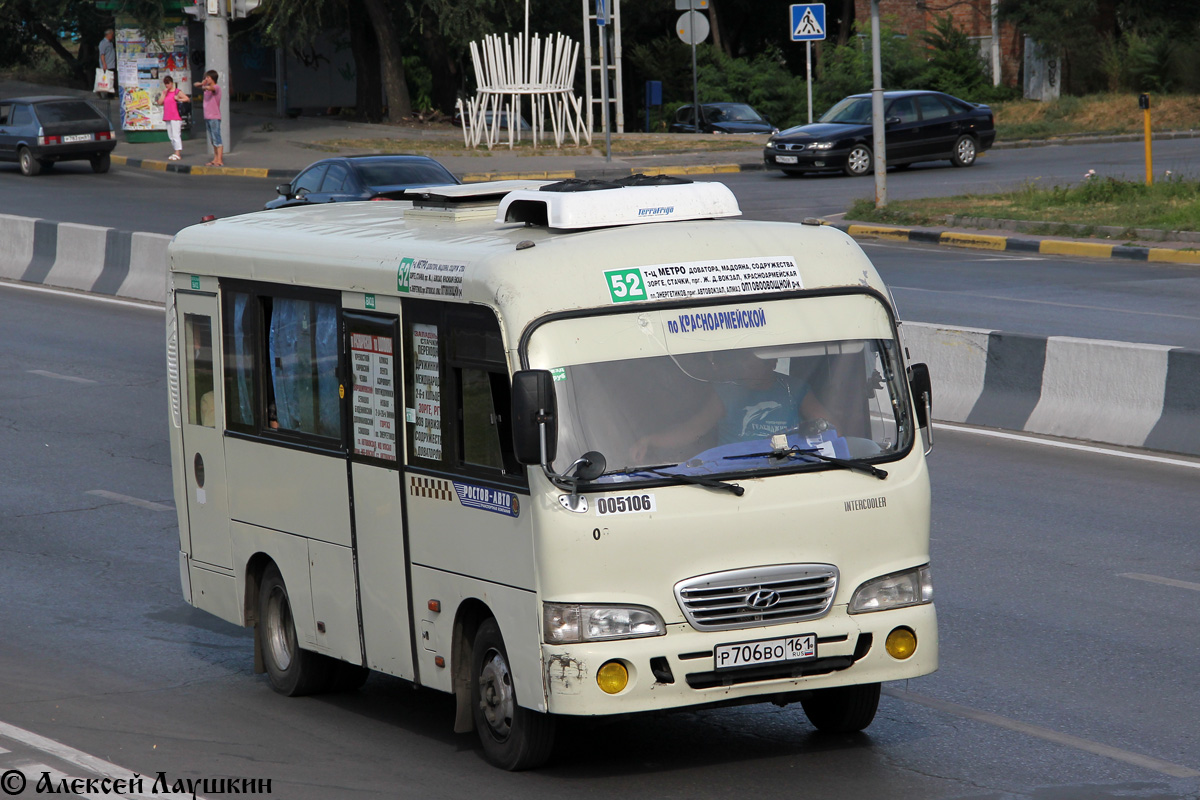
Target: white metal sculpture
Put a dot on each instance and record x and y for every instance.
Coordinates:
(507, 70)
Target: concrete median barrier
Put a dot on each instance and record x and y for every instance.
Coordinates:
(85, 258)
(1136, 395)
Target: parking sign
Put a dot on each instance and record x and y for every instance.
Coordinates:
(808, 22)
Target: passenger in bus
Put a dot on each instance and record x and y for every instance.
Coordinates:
(748, 401)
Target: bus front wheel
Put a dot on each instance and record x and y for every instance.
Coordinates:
(842, 709)
(513, 738)
(291, 670)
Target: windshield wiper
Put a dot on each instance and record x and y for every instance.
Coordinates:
(698, 480)
(852, 464)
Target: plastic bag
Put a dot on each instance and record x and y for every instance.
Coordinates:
(105, 82)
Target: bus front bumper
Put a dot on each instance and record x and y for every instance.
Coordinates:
(679, 670)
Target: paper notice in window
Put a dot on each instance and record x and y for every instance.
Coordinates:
(427, 393)
(373, 406)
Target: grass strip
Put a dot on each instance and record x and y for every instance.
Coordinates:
(1171, 204)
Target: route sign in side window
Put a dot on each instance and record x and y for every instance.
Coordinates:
(373, 388)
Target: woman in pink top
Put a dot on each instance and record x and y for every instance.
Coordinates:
(212, 115)
(170, 104)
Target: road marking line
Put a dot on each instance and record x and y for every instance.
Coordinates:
(56, 376)
(1175, 462)
(99, 298)
(1137, 576)
(133, 501)
(3, 751)
(1066, 739)
(70, 755)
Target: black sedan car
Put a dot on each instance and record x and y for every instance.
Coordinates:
(348, 178)
(38, 132)
(721, 118)
(920, 126)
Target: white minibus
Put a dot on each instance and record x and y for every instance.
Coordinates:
(558, 449)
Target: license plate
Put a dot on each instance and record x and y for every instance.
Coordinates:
(786, 159)
(77, 137)
(765, 651)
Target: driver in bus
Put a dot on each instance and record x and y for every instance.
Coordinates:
(748, 401)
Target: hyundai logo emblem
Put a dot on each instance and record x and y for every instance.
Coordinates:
(762, 599)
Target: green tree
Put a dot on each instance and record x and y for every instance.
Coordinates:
(29, 23)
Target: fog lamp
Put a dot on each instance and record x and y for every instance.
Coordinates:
(901, 643)
(612, 677)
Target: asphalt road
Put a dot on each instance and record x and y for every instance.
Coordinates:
(1066, 585)
(1103, 299)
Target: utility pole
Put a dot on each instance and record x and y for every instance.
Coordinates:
(877, 112)
(216, 56)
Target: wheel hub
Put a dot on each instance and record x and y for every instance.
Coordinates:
(279, 627)
(496, 698)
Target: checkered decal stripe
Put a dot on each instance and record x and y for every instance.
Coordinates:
(432, 488)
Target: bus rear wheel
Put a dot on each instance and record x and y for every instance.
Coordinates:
(292, 671)
(842, 709)
(513, 738)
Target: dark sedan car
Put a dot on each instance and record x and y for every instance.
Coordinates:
(920, 126)
(721, 118)
(336, 180)
(38, 132)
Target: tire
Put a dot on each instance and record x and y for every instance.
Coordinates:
(965, 152)
(100, 163)
(30, 166)
(843, 709)
(513, 738)
(291, 671)
(859, 161)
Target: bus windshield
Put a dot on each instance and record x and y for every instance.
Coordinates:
(733, 410)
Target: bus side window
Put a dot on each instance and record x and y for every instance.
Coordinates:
(198, 364)
(282, 364)
(457, 386)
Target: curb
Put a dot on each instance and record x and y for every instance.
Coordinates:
(1126, 394)
(1056, 247)
(190, 169)
(705, 169)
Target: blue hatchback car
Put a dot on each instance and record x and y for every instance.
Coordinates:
(370, 177)
(38, 132)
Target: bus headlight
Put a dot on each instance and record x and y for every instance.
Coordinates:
(912, 587)
(564, 623)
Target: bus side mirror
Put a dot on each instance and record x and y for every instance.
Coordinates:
(922, 392)
(534, 416)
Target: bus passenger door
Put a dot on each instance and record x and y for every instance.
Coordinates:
(201, 416)
(381, 544)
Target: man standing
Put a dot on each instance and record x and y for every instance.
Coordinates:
(212, 116)
(108, 55)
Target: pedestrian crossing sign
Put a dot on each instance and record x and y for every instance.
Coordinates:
(808, 22)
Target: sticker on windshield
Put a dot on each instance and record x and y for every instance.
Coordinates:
(703, 279)
(737, 319)
(626, 504)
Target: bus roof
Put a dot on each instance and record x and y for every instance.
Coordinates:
(459, 252)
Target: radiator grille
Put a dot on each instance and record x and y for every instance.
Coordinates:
(749, 598)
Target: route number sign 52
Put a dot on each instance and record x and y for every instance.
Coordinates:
(625, 285)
